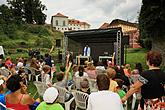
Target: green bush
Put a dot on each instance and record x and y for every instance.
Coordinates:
(9, 44)
(21, 50)
(43, 42)
(9, 30)
(37, 29)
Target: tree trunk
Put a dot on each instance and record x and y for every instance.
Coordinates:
(159, 45)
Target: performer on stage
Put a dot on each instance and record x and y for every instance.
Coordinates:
(87, 51)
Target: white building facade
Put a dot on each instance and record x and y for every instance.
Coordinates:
(62, 23)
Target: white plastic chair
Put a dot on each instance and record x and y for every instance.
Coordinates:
(81, 99)
(28, 72)
(133, 101)
(5, 72)
(92, 85)
(41, 87)
(62, 96)
(125, 105)
(77, 81)
(36, 73)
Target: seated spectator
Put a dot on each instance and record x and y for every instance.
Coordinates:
(22, 74)
(20, 63)
(80, 72)
(136, 73)
(84, 86)
(120, 75)
(104, 99)
(49, 103)
(8, 62)
(119, 89)
(45, 75)
(62, 77)
(3, 94)
(90, 70)
(34, 63)
(16, 100)
(127, 70)
(113, 84)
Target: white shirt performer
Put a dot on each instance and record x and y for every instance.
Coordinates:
(87, 51)
(104, 99)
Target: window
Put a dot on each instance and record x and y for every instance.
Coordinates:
(58, 42)
(56, 22)
(64, 23)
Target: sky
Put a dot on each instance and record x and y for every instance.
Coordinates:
(94, 12)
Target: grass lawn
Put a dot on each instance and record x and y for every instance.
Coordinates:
(136, 56)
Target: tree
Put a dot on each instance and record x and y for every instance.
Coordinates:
(30, 11)
(7, 25)
(152, 22)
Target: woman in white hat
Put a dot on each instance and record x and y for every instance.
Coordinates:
(49, 102)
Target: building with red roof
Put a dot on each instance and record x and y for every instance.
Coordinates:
(128, 29)
(62, 23)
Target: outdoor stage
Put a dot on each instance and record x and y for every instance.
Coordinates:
(103, 42)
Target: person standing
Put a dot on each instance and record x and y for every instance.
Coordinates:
(104, 99)
(87, 51)
(151, 83)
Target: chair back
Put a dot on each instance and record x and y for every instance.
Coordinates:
(62, 93)
(5, 72)
(81, 99)
(92, 85)
(41, 87)
(35, 71)
(27, 70)
(77, 81)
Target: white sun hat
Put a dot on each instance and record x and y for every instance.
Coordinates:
(50, 95)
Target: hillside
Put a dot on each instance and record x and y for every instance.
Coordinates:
(20, 38)
(29, 36)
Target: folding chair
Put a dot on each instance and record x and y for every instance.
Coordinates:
(62, 96)
(35, 73)
(81, 99)
(41, 87)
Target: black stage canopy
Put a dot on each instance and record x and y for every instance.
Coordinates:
(94, 35)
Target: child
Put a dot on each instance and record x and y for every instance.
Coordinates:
(62, 77)
(45, 76)
(84, 86)
(111, 74)
(49, 102)
(119, 88)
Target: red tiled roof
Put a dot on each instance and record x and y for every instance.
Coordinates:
(60, 15)
(73, 21)
(104, 26)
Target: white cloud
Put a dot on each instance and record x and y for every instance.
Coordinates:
(95, 12)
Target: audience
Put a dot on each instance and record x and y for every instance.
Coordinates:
(104, 99)
(110, 82)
